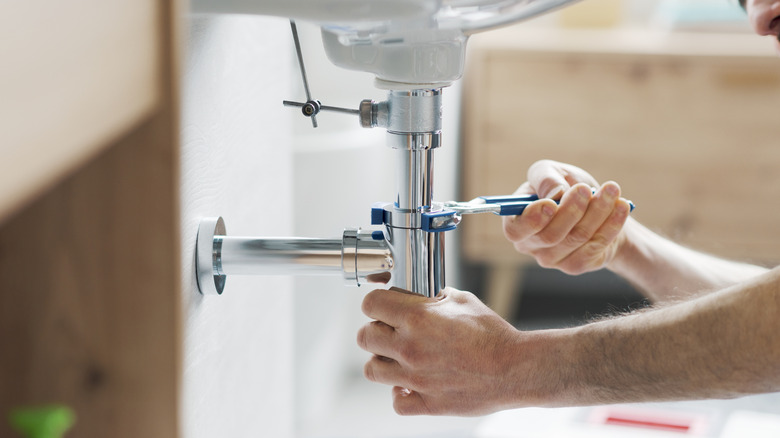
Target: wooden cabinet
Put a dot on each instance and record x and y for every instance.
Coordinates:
(89, 246)
(686, 123)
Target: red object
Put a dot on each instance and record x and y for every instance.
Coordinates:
(666, 424)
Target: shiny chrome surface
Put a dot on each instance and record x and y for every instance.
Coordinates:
(446, 221)
(359, 256)
(416, 111)
(365, 258)
(472, 207)
(278, 256)
(210, 282)
(320, 107)
(398, 218)
(414, 179)
(414, 142)
(419, 258)
(414, 132)
(404, 112)
(309, 109)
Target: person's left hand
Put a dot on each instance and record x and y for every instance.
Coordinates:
(445, 355)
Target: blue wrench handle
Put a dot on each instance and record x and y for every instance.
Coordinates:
(515, 205)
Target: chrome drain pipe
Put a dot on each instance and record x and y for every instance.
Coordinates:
(359, 256)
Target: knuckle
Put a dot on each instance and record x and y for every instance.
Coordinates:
(469, 297)
(522, 248)
(361, 338)
(461, 297)
(420, 383)
(548, 239)
(597, 244)
(367, 305)
(545, 261)
(577, 237)
(368, 371)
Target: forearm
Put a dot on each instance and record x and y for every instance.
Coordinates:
(665, 271)
(720, 345)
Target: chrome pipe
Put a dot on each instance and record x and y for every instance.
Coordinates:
(419, 259)
(414, 179)
(359, 256)
(277, 256)
(413, 121)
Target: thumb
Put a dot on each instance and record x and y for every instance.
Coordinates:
(525, 189)
(552, 187)
(547, 180)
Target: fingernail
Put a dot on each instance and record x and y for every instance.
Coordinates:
(612, 190)
(548, 211)
(584, 192)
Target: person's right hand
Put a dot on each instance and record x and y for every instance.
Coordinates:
(583, 233)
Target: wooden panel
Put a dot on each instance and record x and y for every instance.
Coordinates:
(90, 296)
(90, 311)
(75, 75)
(691, 139)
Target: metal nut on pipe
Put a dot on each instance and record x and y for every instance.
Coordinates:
(367, 112)
(366, 257)
(415, 111)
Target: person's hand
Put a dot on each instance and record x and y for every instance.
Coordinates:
(583, 233)
(445, 355)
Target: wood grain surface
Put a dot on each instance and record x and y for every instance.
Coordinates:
(688, 131)
(75, 76)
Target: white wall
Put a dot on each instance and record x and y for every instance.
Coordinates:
(237, 161)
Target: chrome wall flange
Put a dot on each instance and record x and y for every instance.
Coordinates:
(210, 280)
